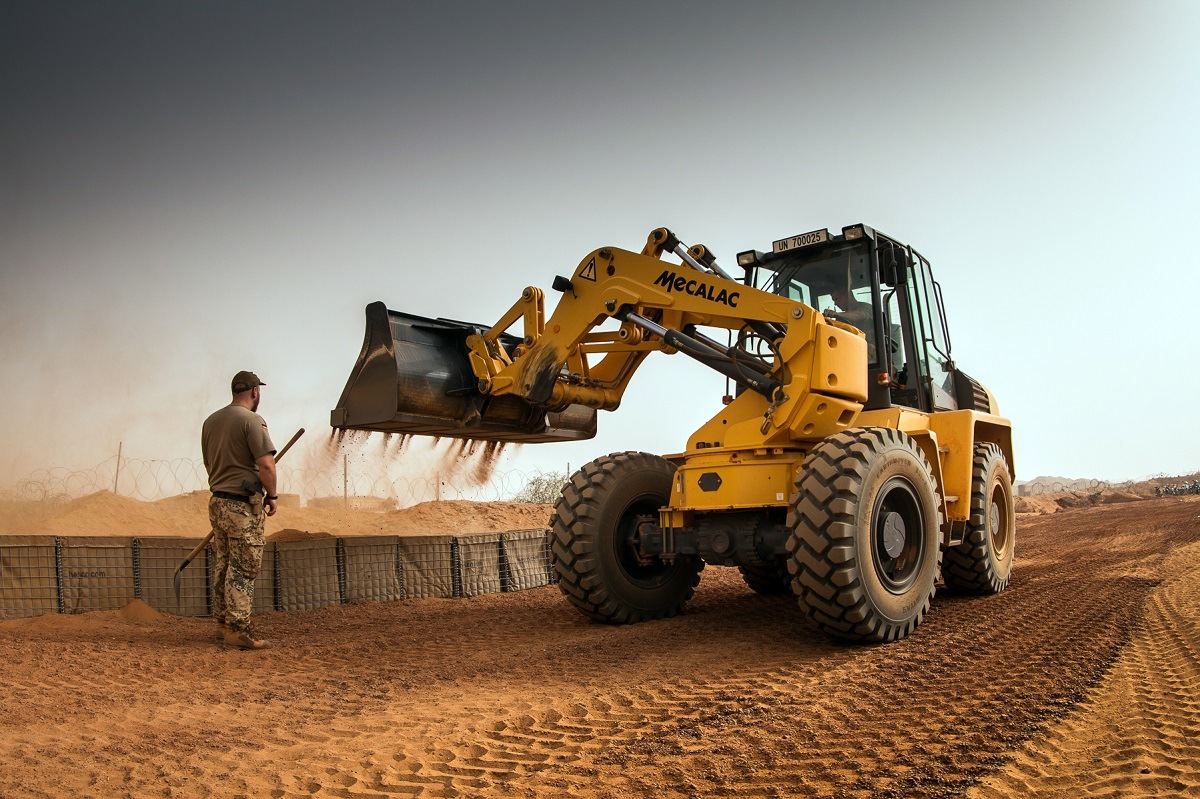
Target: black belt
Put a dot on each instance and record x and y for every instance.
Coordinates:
(234, 497)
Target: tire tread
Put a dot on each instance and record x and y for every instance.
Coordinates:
(825, 575)
(575, 532)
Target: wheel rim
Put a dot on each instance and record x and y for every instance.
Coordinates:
(998, 521)
(897, 535)
(625, 545)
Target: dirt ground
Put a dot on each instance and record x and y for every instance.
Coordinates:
(1083, 679)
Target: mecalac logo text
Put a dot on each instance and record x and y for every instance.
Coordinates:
(697, 288)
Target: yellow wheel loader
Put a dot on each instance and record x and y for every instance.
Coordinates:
(855, 464)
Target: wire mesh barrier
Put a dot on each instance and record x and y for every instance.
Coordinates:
(54, 574)
(345, 482)
(30, 576)
(479, 558)
(372, 569)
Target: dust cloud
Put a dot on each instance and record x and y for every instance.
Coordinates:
(398, 470)
(402, 469)
(78, 392)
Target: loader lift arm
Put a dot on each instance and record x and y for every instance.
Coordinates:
(625, 349)
(446, 378)
(659, 305)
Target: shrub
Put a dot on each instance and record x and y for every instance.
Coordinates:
(542, 488)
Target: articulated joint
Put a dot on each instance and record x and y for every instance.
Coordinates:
(659, 241)
(487, 358)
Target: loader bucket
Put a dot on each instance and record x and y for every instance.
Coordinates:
(413, 377)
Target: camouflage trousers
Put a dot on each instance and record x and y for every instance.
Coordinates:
(238, 542)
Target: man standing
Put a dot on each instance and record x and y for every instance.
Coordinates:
(240, 460)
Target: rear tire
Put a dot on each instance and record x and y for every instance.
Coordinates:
(768, 579)
(594, 547)
(983, 563)
(864, 546)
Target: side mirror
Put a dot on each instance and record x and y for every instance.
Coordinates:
(889, 266)
(893, 263)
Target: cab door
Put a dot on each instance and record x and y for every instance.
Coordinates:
(923, 375)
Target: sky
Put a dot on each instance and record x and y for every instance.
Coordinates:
(191, 189)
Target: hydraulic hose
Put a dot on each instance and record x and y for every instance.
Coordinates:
(715, 359)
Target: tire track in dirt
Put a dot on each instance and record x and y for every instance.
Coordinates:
(896, 686)
(518, 695)
(748, 734)
(1138, 733)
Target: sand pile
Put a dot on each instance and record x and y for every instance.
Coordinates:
(1040, 504)
(1052, 503)
(469, 517)
(139, 612)
(1113, 496)
(105, 514)
(54, 625)
(1105, 497)
(458, 516)
(290, 534)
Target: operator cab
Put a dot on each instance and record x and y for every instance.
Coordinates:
(885, 289)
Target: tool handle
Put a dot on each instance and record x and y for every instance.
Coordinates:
(288, 445)
(199, 548)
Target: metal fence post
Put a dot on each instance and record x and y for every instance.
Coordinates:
(58, 575)
(340, 558)
(456, 581)
(137, 569)
(505, 565)
(117, 477)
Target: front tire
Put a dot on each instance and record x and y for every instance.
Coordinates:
(594, 546)
(983, 563)
(864, 546)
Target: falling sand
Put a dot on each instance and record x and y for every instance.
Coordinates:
(382, 460)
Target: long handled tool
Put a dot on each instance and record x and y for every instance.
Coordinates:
(178, 579)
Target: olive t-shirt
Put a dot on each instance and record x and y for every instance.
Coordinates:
(232, 439)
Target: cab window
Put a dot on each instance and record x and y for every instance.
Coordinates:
(834, 280)
(897, 365)
(930, 325)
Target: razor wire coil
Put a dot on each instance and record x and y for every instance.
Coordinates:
(150, 480)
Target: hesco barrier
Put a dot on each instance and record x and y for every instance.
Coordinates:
(62, 574)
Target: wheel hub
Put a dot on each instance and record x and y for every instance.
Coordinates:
(635, 543)
(999, 521)
(893, 534)
(897, 555)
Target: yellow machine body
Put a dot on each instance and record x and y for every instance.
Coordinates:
(916, 467)
(763, 476)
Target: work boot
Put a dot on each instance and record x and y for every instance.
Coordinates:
(222, 631)
(244, 640)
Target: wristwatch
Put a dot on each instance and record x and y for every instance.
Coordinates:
(272, 496)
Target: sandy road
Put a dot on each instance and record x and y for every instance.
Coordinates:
(1084, 677)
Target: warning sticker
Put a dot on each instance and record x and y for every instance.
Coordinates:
(589, 271)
